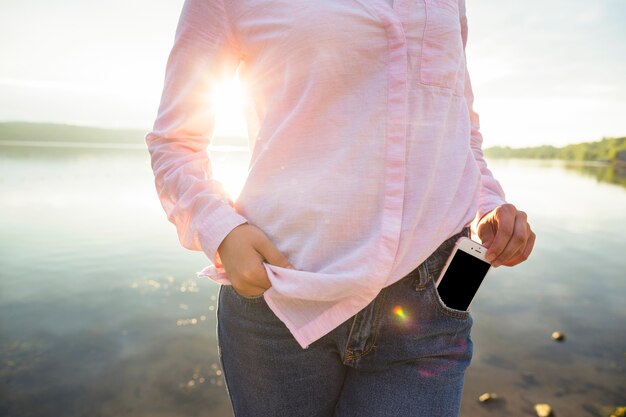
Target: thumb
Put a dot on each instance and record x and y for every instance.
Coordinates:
(272, 255)
(486, 232)
(486, 239)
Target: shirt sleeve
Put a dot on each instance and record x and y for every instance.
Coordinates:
(491, 192)
(204, 53)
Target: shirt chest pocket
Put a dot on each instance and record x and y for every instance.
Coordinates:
(442, 61)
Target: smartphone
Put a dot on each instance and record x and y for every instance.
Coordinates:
(462, 274)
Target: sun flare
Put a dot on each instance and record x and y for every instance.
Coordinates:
(229, 98)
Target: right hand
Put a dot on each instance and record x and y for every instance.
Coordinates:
(243, 252)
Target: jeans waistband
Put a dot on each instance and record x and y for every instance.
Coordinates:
(449, 242)
(438, 257)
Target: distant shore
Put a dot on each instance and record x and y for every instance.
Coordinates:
(610, 151)
(60, 135)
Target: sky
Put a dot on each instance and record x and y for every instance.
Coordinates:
(543, 71)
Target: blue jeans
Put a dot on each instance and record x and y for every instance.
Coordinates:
(405, 354)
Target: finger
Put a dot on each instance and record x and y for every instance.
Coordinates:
(245, 267)
(255, 283)
(249, 290)
(504, 216)
(251, 282)
(517, 242)
(530, 243)
(272, 255)
(486, 231)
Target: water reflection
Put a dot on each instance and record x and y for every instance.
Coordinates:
(117, 364)
(612, 174)
(101, 312)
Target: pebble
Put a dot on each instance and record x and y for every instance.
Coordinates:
(487, 397)
(558, 336)
(619, 412)
(528, 378)
(543, 410)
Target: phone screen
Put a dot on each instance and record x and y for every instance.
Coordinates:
(461, 280)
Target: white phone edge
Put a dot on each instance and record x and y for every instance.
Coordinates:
(468, 246)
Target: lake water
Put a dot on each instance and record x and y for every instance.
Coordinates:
(101, 313)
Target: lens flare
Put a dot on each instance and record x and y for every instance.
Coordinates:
(427, 374)
(398, 311)
(454, 357)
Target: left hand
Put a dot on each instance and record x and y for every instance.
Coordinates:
(506, 233)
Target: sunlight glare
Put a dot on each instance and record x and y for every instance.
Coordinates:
(229, 98)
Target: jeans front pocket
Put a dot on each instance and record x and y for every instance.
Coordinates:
(246, 299)
(443, 63)
(431, 273)
(432, 269)
(443, 308)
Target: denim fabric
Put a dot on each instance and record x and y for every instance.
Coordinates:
(405, 354)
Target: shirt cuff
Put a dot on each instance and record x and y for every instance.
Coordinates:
(214, 229)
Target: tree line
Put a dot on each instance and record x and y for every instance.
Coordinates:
(610, 150)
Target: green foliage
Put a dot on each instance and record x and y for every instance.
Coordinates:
(605, 150)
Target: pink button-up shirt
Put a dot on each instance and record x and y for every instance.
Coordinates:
(365, 150)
